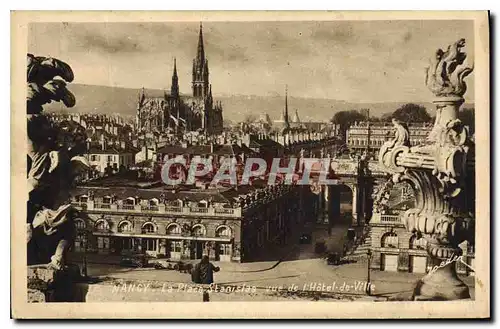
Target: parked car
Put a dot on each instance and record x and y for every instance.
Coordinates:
(163, 266)
(138, 260)
(183, 267)
(333, 259)
(305, 239)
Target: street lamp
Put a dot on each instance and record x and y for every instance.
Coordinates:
(368, 284)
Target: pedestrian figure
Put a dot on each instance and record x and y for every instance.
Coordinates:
(203, 273)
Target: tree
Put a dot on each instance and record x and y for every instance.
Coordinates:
(347, 118)
(411, 113)
(467, 116)
(386, 117)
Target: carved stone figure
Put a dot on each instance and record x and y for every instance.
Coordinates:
(441, 173)
(53, 161)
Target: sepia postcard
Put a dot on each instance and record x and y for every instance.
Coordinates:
(250, 165)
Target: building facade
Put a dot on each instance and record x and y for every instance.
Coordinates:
(394, 248)
(227, 224)
(372, 135)
(179, 113)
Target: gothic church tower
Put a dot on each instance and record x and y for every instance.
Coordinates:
(201, 82)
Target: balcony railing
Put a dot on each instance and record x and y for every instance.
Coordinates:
(199, 210)
(173, 209)
(159, 209)
(224, 211)
(102, 205)
(378, 218)
(390, 219)
(150, 208)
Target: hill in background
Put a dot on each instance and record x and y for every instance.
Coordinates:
(123, 101)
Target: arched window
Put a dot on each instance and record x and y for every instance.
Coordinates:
(199, 230)
(223, 231)
(390, 240)
(129, 201)
(417, 243)
(102, 225)
(125, 226)
(174, 229)
(80, 224)
(148, 228)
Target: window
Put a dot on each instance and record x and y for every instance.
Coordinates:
(199, 230)
(390, 240)
(148, 228)
(127, 243)
(80, 241)
(224, 249)
(174, 229)
(102, 225)
(175, 246)
(79, 224)
(150, 244)
(125, 226)
(102, 243)
(94, 157)
(223, 231)
(110, 158)
(418, 243)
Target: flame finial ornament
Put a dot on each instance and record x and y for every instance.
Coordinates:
(447, 70)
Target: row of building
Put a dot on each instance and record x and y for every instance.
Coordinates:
(372, 135)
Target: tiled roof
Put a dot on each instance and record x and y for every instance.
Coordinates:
(195, 195)
(108, 150)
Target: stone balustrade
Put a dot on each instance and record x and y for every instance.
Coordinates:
(378, 218)
(158, 209)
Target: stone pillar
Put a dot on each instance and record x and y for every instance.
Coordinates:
(442, 174)
(354, 205)
(334, 211)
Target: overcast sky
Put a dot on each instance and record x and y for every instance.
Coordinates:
(370, 61)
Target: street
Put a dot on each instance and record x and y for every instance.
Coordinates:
(301, 268)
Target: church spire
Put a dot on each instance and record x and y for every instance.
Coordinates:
(201, 48)
(287, 122)
(174, 89)
(200, 82)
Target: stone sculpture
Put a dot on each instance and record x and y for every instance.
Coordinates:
(441, 173)
(53, 161)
